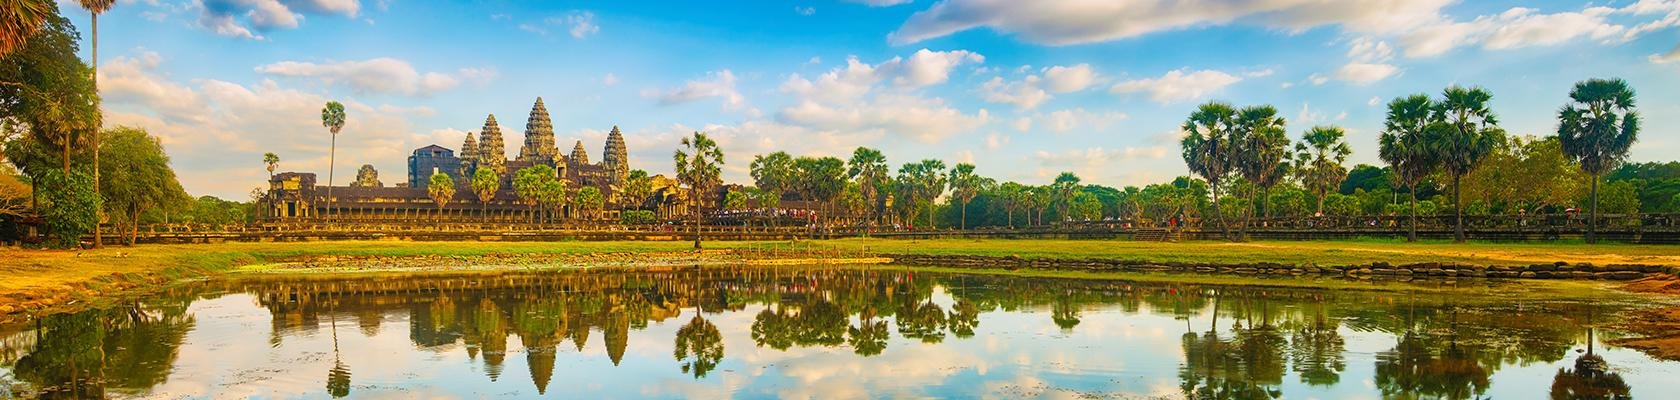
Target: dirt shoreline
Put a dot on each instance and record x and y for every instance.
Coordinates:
(1660, 327)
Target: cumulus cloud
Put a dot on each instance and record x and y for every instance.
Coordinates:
(243, 18)
(1073, 22)
(716, 84)
(927, 120)
(1178, 85)
(1520, 27)
(855, 79)
(1365, 73)
(1665, 58)
(926, 67)
(378, 75)
(1023, 94)
(1076, 118)
(881, 3)
(213, 128)
(1060, 79)
(1094, 163)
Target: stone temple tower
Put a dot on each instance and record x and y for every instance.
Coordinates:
(469, 157)
(616, 158)
(491, 153)
(579, 156)
(539, 137)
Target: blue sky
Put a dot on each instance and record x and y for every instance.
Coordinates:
(1023, 89)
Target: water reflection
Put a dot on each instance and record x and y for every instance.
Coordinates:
(1029, 334)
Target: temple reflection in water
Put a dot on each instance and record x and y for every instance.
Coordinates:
(1233, 341)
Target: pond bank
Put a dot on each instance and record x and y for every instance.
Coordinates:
(1377, 269)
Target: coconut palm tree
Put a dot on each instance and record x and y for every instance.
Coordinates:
(700, 168)
(964, 186)
(1596, 128)
(1474, 130)
(1403, 145)
(1318, 160)
(1259, 147)
(1206, 149)
(20, 19)
(332, 117)
(869, 168)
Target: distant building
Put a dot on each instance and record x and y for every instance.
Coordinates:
(431, 160)
(295, 195)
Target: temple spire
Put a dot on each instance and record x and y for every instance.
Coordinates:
(469, 156)
(616, 158)
(539, 137)
(579, 156)
(491, 152)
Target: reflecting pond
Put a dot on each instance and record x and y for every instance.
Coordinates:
(826, 332)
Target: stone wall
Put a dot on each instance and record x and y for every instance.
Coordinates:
(1378, 270)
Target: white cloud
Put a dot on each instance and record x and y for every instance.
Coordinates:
(805, 11)
(609, 79)
(925, 67)
(1022, 124)
(927, 120)
(719, 84)
(1671, 56)
(236, 18)
(582, 23)
(1074, 22)
(1374, 101)
(348, 8)
(1060, 79)
(856, 78)
(1178, 85)
(1024, 94)
(1095, 164)
(995, 141)
(1365, 74)
(377, 75)
(1067, 120)
(1520, 27)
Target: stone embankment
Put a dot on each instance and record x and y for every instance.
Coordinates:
(1559, 270)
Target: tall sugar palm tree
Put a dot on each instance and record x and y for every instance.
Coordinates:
(1472, 131)
(485, 183)
(20, 19)
(1318, 160)
(332, 117)
(272, 161)
(772, 173)
(1596, 128)
(965, 185)
(700, 168)
(1065, 186)
(1259, 147)
(1206, 149)
(869, 167)
(441, 188)
(1404, 146)
(96, 7)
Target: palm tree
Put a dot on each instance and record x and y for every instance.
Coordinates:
(700, 168)
(637, 188)
(1318, 160)
(964, 186)
(485, 183)
(1404, 146)
(272, 161)
(1206, 149)
(95, 7)
(1065, 186)
(1473, 131)
(20, 19)
(332, 117)
(441, 189)
(1596, 128)
(1260, 146)
(1009, 197)
(772, 173)
(869, 167)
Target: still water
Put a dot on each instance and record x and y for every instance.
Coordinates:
(827, 333)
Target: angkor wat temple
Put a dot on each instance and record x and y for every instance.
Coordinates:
(296, 195)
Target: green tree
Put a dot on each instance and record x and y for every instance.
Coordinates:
(735, 200)
(820, 180)
(272, 161)
(137, 178)
(701, 168)
(72, 201)
(1085, 206)
(772, 173)
(869, 168)
(1206, 149)
(20, 20)
(1404, 145)
(1596, 128)
(528, 185)
(637, 187)
(441, 189)
(485, 184)
(1318, 161)
(1260, 147)
(46, 90)
(1064, 187)
(590, 201)
(920, 183)
(1010, 198)
(965, 184)
(332, 117)
(1472, 130)
(552, 195)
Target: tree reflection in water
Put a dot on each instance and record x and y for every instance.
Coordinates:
(1239, 342)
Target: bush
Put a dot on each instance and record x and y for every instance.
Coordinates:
(636, 217)
(71, 209)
